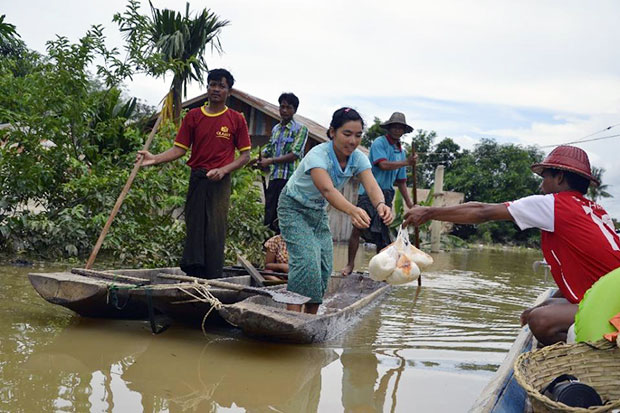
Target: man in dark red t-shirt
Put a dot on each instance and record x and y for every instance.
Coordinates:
(213, 133)
(578, 239)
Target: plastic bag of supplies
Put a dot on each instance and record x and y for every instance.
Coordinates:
(400, 262)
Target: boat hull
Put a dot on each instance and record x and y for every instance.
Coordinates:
(503, 393)
(346, 301)
(95, 297)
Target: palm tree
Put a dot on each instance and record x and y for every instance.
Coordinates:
(594, 193)
(9, 42)
(169, 41)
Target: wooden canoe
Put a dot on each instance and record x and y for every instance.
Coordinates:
(126, 298)
(503, 393)
(346, 300)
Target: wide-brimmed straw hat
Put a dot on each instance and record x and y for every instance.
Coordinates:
(567, 158)
(397, 117)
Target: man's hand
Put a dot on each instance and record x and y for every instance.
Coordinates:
(359, 218)
(385, 212)
(147, 158)
(265, 162)
(412, 159)
(416, 216)
(525, 315)
(216, 174)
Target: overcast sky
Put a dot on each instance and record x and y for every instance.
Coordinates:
(528, 72)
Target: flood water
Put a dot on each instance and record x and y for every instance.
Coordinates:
(433, 351)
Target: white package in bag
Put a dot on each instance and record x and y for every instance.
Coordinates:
(406, 269)
(400, 262)
(383, 264)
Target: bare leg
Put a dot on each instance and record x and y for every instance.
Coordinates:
(354, 243)
(550, 321)
(311, 308)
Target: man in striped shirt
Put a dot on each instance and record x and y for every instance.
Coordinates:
(282, 154)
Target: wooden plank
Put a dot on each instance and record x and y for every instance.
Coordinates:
(256, 276)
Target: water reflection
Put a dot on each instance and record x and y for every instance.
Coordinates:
(98, 365)
(83, 364)
(229, 372)
(406, 354)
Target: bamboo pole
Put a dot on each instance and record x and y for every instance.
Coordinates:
(414, 193)
(121, 197)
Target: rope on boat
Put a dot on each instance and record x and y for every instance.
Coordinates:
(112, 295)
(203, 295)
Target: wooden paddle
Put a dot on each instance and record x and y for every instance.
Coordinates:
(256, 276)
(110, 276)
(121, 197)
(279, 296)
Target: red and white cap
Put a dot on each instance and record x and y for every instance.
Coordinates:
(567, 158)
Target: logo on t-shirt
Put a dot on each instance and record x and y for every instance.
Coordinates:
(223, 133)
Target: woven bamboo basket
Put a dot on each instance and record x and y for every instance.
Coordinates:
(595, 364)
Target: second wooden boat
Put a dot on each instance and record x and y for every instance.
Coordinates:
(346, 300)
(503, 393)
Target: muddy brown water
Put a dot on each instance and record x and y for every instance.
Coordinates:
(431, 353)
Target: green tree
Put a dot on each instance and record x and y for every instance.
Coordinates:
(373, 132)
(495, 173)
(597, 192)
(170, 42)
(423, 144)
(10, 44)
(68, 152)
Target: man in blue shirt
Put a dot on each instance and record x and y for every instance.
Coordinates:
(282, 154)
(389, 163)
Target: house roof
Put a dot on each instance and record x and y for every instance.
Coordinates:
(316, 131)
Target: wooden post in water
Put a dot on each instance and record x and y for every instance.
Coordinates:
(438, 201)
(414, 194)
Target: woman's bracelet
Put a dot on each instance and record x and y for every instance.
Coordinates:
(379, 203)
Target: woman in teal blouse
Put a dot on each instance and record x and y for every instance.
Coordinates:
(317, 181)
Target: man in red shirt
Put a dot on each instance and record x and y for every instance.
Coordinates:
(213, 132)
(578, 239)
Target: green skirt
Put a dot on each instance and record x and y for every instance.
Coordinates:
(310, 247)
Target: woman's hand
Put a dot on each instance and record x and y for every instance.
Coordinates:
(359, 218)
(385, 212)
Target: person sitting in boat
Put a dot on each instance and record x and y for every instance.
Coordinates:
(276, 256)
(578, 239)
(317, 182)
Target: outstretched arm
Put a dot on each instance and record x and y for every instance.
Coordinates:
(324, 184)
(468, 213)
(170, 155)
